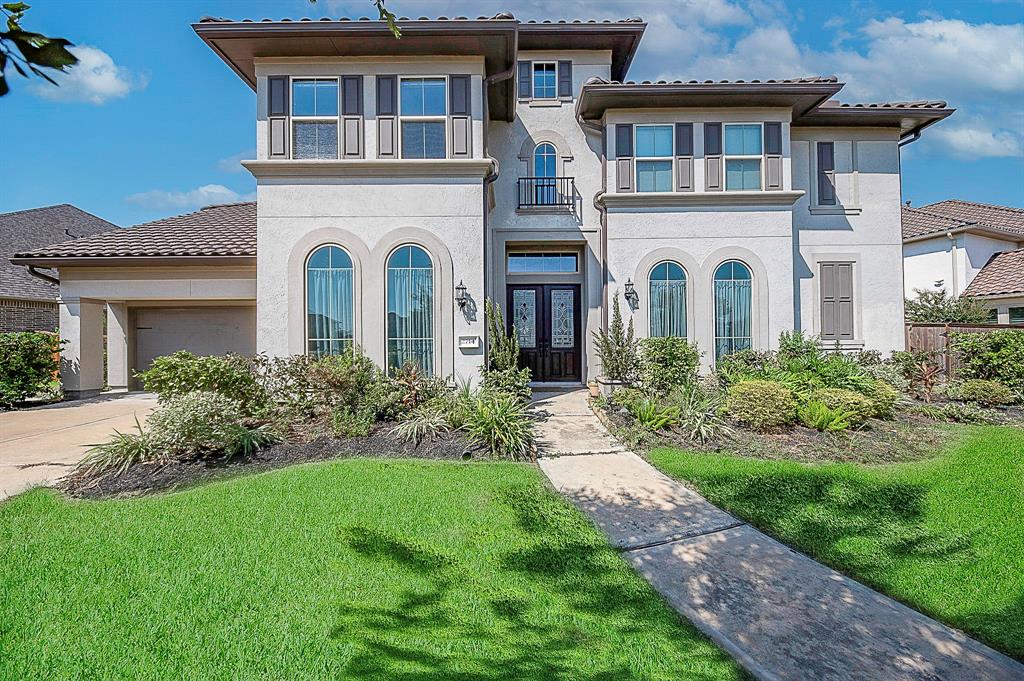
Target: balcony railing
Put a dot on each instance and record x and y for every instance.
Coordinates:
(547, 192)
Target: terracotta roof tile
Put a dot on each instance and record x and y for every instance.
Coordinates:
(918, 222)
(777, 81)
(1003, 274)
(1003, 217)
(221, 230)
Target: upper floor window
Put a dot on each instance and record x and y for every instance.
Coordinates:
(826, 173)
(743, 151)
(545, 80)
(423, 111)
(654, 158)
(315, 118)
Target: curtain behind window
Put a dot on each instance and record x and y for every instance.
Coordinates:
(411, 317)
(329, 310)
(732, 316)
(668, 308)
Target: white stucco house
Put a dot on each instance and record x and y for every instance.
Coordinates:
(402, 182)
(967, 248)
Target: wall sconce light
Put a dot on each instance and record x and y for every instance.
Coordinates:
(460, 295)
(630, 292)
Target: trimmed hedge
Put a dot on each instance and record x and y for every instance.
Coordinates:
(762, 405)
(858, 407)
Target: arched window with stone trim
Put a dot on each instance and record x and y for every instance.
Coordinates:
(329, 301)
(733, 295)
(410, 308)
(667, 299)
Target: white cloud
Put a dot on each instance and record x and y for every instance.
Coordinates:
(976, 140)
(94, 79)
(233, 164)
(195, 198)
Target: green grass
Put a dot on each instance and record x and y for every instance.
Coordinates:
(945, 535)
(355, 569)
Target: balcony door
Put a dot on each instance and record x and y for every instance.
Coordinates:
(546, 319)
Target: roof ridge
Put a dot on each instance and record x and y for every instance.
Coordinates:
(223, 205)
(965, 202)
(938, 215)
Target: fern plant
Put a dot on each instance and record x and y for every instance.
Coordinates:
(654, 416)
(816, 414)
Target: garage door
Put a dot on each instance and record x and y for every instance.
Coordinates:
(202, 330)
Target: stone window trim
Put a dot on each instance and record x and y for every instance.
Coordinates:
(726, 156)
(562, 150)
(296, 119)
(854, 259)
(642, 284)
(839, 208)
(438, 118)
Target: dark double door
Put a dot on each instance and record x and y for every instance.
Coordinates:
(546, 319)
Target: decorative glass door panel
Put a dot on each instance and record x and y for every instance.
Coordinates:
(546, 322)
(562, 319)
(524, 317)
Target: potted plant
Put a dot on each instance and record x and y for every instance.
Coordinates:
(617, 350)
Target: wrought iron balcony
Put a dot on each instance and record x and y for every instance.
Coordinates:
(547, 192)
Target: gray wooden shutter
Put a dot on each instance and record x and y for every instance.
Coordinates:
(352, 116)
(460, 110)
(684, 157)
(837, 301)
(773, 155)
(565, 79)
(713, 169)
(387, 116)
(525, 80)
(826, 174)
(277, 116)
(624, 157)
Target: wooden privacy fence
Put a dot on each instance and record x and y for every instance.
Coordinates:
(934, 338)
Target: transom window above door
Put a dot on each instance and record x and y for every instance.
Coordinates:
(551, 263)
(423, 112)
(545, 80)
(743, 149)
(654, 158)
(315, 118)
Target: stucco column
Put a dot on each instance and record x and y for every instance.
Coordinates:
(117, 345)
(81, 361)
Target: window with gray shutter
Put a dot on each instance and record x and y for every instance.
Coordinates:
(684, 157)
(460, 112)
(352, 116)
(836, 301)
(826, 174)
(624, 157)
(277, 116)
(773, 155)
(387, 116)
(525, 78)
(713, 157)
(565, 79)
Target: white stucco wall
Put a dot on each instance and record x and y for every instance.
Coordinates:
(956, 261)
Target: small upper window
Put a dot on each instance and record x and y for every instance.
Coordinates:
(545, 80)
(743, 150)
(423, 112)
(315, 118)
(654, 158)
(562, 263)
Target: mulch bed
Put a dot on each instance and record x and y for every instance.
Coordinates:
(381, 444)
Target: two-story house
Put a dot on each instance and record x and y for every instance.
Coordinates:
(400, 183)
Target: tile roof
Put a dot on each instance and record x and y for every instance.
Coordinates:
(918, 222)
(953, 214)
(222, 230)
(501, 16)
(1003, 274)
(35, 227)
(917, 104)
(785, 81)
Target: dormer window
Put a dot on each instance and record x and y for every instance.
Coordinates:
(423, 112)
(315, 118)
(545, 80)
(743, 151)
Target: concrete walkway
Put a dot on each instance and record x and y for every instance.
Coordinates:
(779, 613)
(41, 445)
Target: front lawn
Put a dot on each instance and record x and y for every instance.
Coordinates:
(353, 569)
(944, 535)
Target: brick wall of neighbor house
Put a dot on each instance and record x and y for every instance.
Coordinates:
(27, 315)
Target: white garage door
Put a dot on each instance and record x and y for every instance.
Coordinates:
(203, 330)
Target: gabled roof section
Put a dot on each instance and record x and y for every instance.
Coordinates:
(27, 229)
(799, 94)
(223, 233)
(956, 216)
(1002, 275)
(240, 43)
(621, 37)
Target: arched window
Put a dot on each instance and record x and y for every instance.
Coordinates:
(410, 322)
(329, 301)
(668, 300)
(545, 185)
(732, 308)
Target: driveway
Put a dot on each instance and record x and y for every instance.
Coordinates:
(38, 446)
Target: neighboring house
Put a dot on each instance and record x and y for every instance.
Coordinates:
(969, 249)
(27, 302)
(402, 182)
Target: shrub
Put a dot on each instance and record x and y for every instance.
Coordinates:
(500, 423)
(857, 407)
(343, 379)
(699, 415)
(182, 372)
(794, 344)
(117, 455)
(957, 413)
(28, 365)
(816, 414)
(349, 422)
(888, 373)
(651, 414)
(514, 382)
(503, 351)
(415, 387)
(839, 371)
(883, 398)
(743, 364)
(422, 424)
(762, 405)
(980, 391)
(617, 348)
(667, 362)
(938, 307)
(196, 424)
(995, 356)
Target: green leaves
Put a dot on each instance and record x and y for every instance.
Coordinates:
(27, 52)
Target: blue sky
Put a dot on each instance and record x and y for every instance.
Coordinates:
(153, 123)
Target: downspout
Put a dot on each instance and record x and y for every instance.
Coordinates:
(954, 266)
(599, 129)
(493, 174)
(42, 275)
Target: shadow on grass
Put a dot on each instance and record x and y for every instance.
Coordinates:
(560, 604)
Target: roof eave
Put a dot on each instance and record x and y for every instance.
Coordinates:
(974, 228)
(132, 260)
(908, 120)
(623, 51)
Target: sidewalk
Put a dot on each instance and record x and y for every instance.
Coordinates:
(779, 613)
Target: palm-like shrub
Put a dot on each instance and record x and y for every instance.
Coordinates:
(653, 415)
(700, 412)
(424, 423)
(502, 425)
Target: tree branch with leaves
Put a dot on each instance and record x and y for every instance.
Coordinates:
(28, 53)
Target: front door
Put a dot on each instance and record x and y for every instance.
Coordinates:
(546, 318)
